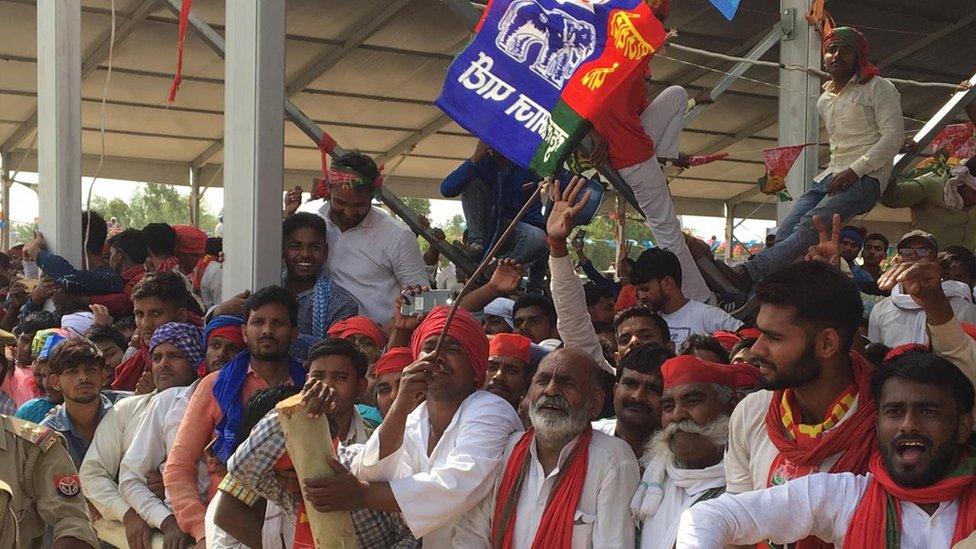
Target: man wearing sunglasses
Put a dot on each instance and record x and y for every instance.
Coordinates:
(899, 319)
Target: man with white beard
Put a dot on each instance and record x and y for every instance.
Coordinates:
(564, 485)
(684, 461)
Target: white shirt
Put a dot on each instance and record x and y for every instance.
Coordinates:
(892, 325)
(821, 505)
(661, 529)
(607, 426)
(99, 471)
(572, 317)
(698, 318)
(148, 450)
(602, 519)
(211, 284)
(435, 491)
(865, 125)
(750, 453)
(373, 261)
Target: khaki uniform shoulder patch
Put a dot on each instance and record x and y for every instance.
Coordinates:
(43, 437)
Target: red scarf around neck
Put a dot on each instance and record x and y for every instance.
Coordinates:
(876, 523)
(854, 438)
(556, 527)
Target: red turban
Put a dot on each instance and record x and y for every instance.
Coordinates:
(395, 360)
(511, 345)
(685, 369)
(849, 36)
(190, 240)
(358, 325)
(727, 340)
(465, 328)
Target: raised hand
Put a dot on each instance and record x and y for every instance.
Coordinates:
(505, 280)
(293, 199)
(317, 397)
(565, 205)
(919, 279)
(828, 250)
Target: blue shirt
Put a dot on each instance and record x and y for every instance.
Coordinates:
(507, 185)
(60, 422)
(35, 409)
(100, 281)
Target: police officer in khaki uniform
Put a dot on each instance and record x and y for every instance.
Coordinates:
(39, 487)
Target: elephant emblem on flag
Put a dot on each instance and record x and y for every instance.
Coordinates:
(552, 41)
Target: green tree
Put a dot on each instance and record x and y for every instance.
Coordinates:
(153, 204)
(421, 206)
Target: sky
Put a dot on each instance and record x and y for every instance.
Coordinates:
(23, 206)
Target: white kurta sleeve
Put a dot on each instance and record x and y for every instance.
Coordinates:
(953, 344)
(473, 531)
(818, 505)
(368, 466)
(738, 474)
(146, 453)
(614, 527)
(572, 317)
(435, 498)
(100, 468)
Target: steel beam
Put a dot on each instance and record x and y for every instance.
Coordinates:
(312, 130)
(5, 201)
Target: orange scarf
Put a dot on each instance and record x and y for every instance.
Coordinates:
(877, 521)
(855, 439)
(556, 527)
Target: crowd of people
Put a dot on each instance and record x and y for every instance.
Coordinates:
(548, 411)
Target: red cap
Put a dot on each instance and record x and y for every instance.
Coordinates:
(358, 325)
(906, 348)
(749, 333)
(685, 369)
(510, 345)
(727, 339)
(190, 240)
(395, 360)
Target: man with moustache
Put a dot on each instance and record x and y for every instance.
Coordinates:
(817, 413)
(920, 490)
(509, 367)
(564, 485)
(684, 461)
(223, 339)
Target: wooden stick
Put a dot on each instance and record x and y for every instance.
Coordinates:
(309, 443)
(468, 286)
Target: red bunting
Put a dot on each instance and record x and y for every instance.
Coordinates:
(778, 162)
(180, 41)
(326, 144)
(958, 140)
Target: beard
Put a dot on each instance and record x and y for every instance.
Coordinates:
(803, 370)
(716, 432)
(554, 427)
(279, 352)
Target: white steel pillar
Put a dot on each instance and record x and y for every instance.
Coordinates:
(195, 196)
(254, 98)
(799, 121)
(59, 125)
(5, 183)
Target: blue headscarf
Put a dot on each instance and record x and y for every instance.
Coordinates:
(183, 336)
(227, 390)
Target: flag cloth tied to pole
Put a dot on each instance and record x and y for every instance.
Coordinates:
(778, 162)
(538, 71)
(958, 140)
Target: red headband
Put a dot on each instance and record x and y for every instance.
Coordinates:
(395, 360)
(231, 333)
(465, 328)
(685, 369)
(510, 345)
(358, 325)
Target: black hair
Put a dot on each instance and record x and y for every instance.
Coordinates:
(214, 245)
(303, 220)
(876, 353)
(39, 320)
(359, 162)
(601, 327)
(94, 231)
(704, 342)
(536, 300)
(655, 264)
(963, 255)
(160, 238)
(272, 294)
(261, 402)
(100, 332)
(929, 369)
(746, 343)
(133, 243)
(819, 293)
(127, 322)
(878, 236)
(642, 311)
(72, 352)
(4, 261)
(646, 359)
(630, 263)
(335, 346)
(168, 287)
(595, 293)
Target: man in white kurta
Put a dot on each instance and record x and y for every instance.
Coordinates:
(924, 467)
(564, 395)
(685, 459)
